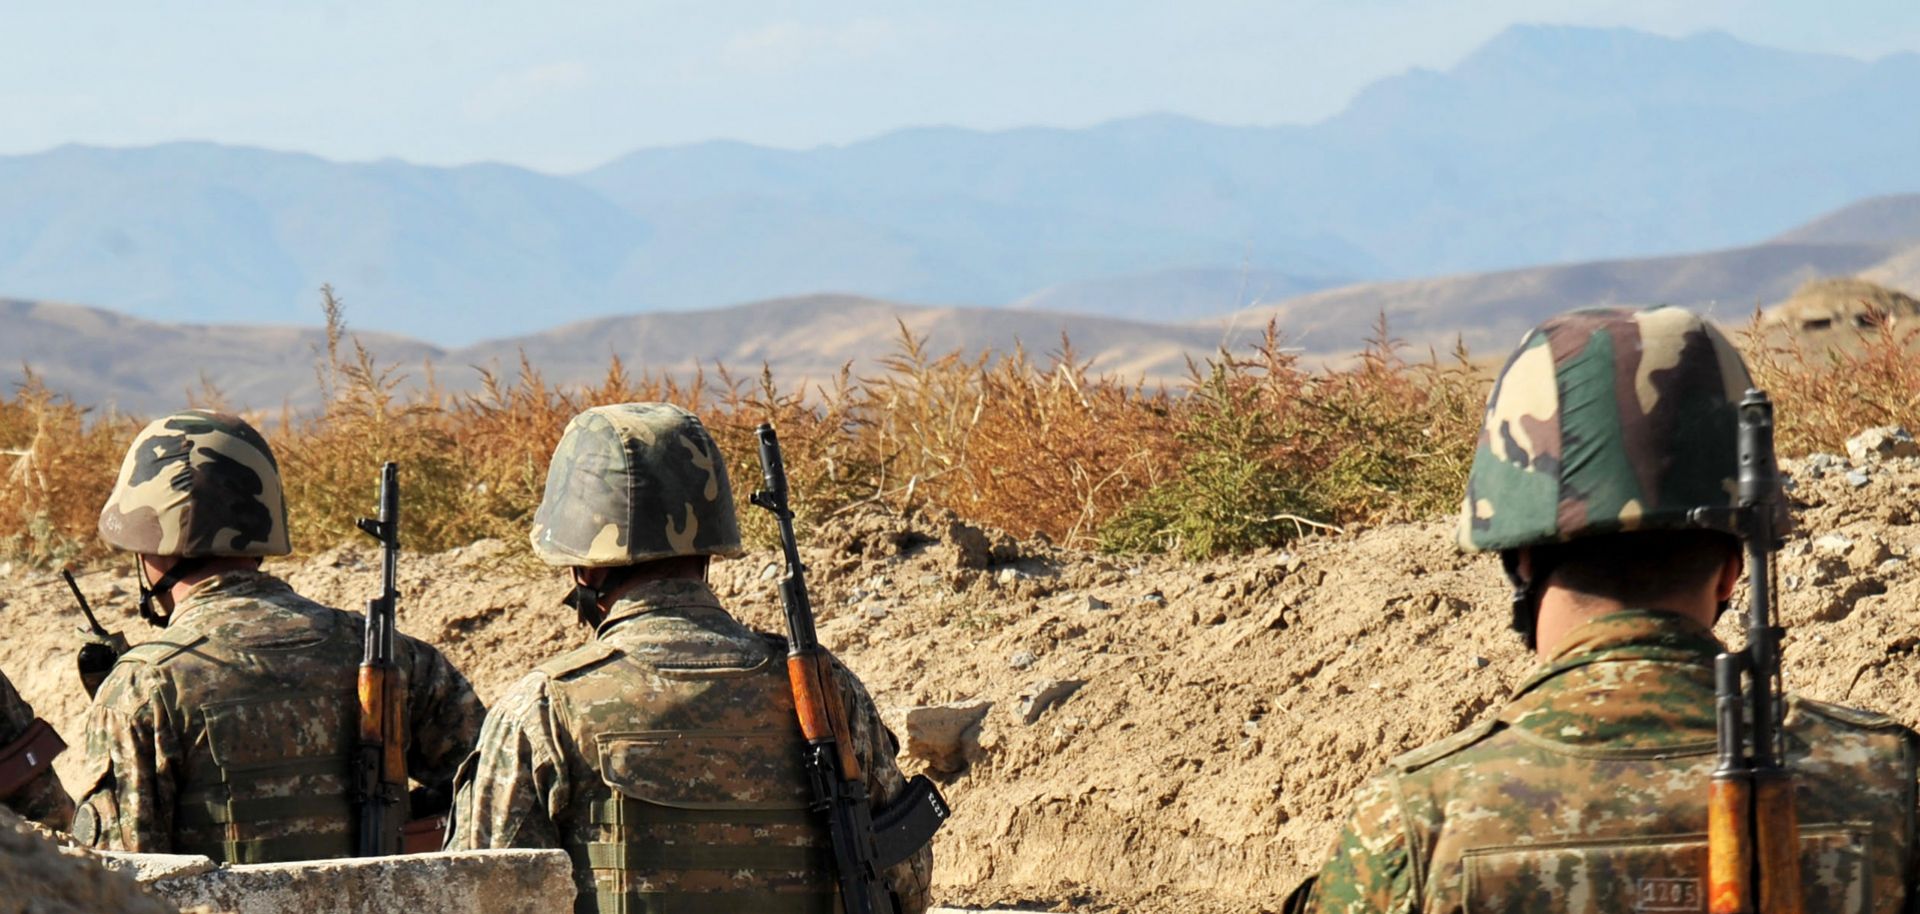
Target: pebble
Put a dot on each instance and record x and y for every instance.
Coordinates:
(1858, 478)
(1477, 662)
(1155, 598)
(1832, 543)
(1095, 604)
(1022, 660)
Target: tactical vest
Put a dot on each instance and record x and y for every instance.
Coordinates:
(269, 724)
(701, 804)
(1628, 825)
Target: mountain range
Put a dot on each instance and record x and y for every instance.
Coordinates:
(1546, 145)
(111, 360)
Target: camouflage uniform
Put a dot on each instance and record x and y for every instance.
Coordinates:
(230, 734)
(664, 756)
(27, 749)
(1587, 792)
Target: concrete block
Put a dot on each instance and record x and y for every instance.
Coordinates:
(471, 882)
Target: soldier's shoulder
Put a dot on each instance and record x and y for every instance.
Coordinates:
(579, 662)
(1848, 718)
(163, 650)
(1452, 748)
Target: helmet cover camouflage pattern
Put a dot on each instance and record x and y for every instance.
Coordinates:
(631, 483)
(197, 483)
(1606, 420)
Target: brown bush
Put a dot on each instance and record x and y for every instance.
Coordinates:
(1250, 452)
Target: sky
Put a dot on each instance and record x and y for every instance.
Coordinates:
(564, 86)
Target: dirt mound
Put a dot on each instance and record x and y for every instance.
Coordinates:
(39, 876)
(1840, 305)
(1195, 727)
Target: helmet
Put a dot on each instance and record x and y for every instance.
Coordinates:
(197, 483)
(631, 483)
(1606, 420)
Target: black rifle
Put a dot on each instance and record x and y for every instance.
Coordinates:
(1753, 840)
(864, 844)
(380, 754)
(101, 650)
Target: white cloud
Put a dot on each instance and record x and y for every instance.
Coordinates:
(513, 92)
(787, 45)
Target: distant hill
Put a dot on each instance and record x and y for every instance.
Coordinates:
(1173, 295)
(1490, 311)
(1877, 220)
(112, 361)
(1547, 145)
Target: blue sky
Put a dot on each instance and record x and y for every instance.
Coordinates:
(561, 86)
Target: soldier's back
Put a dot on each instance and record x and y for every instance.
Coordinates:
(688, 763)
(1588, 793)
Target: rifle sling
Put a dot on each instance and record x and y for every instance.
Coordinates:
(28, 757)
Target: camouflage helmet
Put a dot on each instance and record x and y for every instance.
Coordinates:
(1606, 420)
(197, 483)
(631, 483)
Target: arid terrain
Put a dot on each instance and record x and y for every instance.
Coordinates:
(1225, 708)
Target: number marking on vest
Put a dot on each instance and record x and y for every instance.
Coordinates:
(1667, 895)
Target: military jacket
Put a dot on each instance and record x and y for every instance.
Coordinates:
(1587, 793)
(665, 756)
(230, 734)
(41, 797)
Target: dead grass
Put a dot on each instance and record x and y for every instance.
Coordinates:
(1250, 452)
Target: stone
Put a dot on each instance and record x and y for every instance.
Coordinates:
(1477, 662)
(1042, 696)
(1882, 443)
(1832, 543)
(481, 882)
(946, 737)
(1155, 598)
(1858, 478)
(1867, 554)
(1022, 660)
(1095, 604)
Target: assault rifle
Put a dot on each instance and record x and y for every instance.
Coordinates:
(380, 754)
(102, 649)
(864, 843)
(1753, 832)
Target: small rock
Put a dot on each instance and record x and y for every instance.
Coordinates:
(1042, 696)
(1477, 662)
(946, 737)
(1818, 465)
(1881, 443)
(1858, 478)
(1155, 598)
(1095, 604)
(771, 571)
(1890, 565)
(1868, 554)
(1022, 660)
(1832, 543)
(1006, 576)
(874, 613)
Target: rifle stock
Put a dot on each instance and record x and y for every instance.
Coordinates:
(861, 850)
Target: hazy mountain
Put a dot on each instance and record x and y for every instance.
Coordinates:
(1547, 145)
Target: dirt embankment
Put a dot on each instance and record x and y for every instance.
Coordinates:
(1227, 707)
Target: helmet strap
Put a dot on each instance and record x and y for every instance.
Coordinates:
(150, 593)
(585, 598)
(1526, 594)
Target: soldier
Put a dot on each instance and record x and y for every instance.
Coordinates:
(229, 734)
(28, 746)
(665, 755)
(1588, 790)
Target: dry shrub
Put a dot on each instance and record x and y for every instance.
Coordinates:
(1272, 450)
(1824, 392)
(56, 468)
(1253, 451)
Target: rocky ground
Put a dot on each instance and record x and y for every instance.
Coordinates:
(1131, 733)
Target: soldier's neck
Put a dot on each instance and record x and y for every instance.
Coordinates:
(1563, 610)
